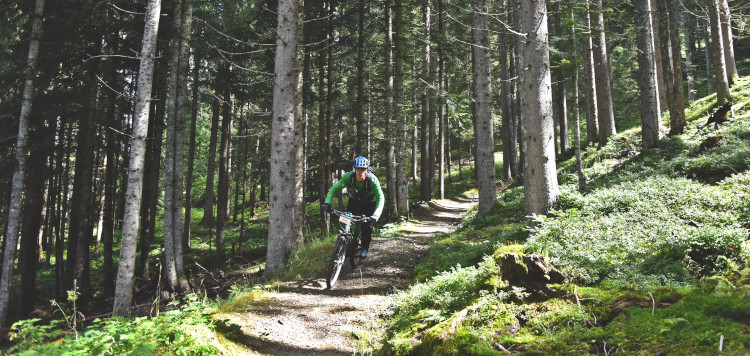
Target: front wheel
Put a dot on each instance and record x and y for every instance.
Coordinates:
(337, 261)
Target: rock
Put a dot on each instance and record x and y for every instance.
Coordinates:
(530, 272)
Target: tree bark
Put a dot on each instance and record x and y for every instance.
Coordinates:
(225, 166)
(126, 267)
(14, 210)
(663, 99)
(152, 165)
(483, 122)
(402, 191)
(604, 100)
(721, 81)
(647, 76)
(360, 104)
(561, 106)
(284, 236)
(688, 26)
(191, 154)
(209, 196)
(508, 129)
(672, 65)
(592, 108)
(34, 209)
(425, 141)
(540, 175)
(576, 110)
(174, 162)
(324, 126)
(82, 209)
(391, 183)
(441, 105)
(726, 37)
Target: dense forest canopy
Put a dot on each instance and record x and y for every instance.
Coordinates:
(396, 81)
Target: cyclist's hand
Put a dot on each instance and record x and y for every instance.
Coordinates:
(325, 207)
(372, 219)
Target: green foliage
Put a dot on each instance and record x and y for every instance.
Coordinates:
(185, 330)
(665, 230)
(668, 221)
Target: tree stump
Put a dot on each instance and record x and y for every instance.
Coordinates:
(530, 272)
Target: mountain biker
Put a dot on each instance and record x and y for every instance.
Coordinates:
(365, 197)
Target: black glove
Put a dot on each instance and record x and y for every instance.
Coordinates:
(325, 207)
(372, 219)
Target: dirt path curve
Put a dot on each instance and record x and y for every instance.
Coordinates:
(308, 319)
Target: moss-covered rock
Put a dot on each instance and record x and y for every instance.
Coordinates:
(530, 272)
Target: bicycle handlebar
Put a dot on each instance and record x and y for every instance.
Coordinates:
(353, 217)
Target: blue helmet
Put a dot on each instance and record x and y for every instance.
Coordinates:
(361, 162)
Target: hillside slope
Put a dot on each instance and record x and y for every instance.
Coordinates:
(655, 255)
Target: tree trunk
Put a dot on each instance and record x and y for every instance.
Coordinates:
(324, 126)
(284, 236)
(540, 176)
(390, 133)
(508, 129)
(605, 104)
(576, 109)
(209, 196)
(592, 108)
(152, 166)
(441, 105)
(110, 189)
(225, 167)
(174, 161)
(483, 122)
(688, 26)
(431, 102)
(126, 267)
(415, 143)
(425, 191)
(561, 106)
(672, 66)
(663, 99)
(14, 210)
(360, 105)
(677, 121)
(300, 132)
(709, 57)
(37, 179)
(721, 81)
(647, 76)
(726, 37)
(81, 227)
(402, 191)
(191, 153)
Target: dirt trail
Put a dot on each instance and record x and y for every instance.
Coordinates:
(308, 319)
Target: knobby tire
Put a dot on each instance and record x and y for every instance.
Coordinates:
(337, 261)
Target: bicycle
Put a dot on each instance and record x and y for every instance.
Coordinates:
(346, 245)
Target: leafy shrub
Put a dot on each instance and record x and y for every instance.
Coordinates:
(183, 331)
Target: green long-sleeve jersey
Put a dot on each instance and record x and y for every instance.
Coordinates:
(375, 193)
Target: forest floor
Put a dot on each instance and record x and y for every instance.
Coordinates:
(306, 318)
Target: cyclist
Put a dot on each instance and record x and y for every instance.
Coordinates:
(365, 197)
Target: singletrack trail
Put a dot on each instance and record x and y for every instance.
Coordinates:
(308, 319)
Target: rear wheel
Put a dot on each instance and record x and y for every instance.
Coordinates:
(337, 261)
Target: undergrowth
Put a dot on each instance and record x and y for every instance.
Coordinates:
(186, 329)
(655, 250)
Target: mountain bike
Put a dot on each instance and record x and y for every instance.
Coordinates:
(346, 245)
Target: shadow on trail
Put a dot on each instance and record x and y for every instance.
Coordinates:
(270, 347)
